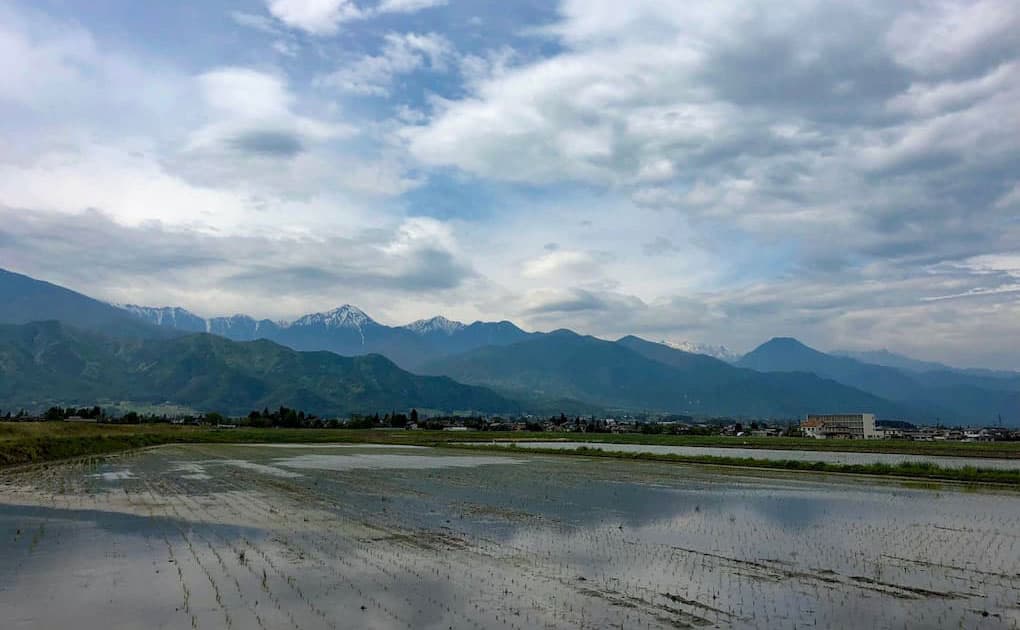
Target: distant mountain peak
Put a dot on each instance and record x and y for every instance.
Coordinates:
(434, 324)
(157, 314)
(346, 316)
(784, 341)
(719, 352)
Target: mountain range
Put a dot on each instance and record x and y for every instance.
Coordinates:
(635, 374)
(24, 299)
(345, 330)
(230, 363)
(942, 393)
(44, 363)
(719, 352)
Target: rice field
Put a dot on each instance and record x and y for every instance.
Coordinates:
(356, 536)
(830, 457)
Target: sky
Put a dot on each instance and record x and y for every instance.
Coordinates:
(845, 173)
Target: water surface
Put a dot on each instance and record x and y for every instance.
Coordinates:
(832, 457)
(185, 537)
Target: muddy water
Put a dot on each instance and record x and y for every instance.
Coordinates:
(271, 537)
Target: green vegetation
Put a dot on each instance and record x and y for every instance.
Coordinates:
(566, 365)
(48, 363)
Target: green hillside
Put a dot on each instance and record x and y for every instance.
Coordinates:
(618, 374)
(46, 363)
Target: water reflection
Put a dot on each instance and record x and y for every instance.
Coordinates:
(832, 457)
(213, 536)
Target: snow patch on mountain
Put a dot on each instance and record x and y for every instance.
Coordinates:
(169, 316)
(719, 352)
(436, 324)
(345, 316)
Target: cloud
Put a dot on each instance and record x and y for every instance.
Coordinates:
(268, 142)
(560, 263)
(252, 136)
(841, 172)
(402, 53)
(660, 246)
(324, 17)
(944, 38)
(256, 21)
(553, 301)
(407, 6)
(735, 118)
(318, 17)
(285, 274)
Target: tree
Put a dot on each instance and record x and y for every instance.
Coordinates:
(414, 416)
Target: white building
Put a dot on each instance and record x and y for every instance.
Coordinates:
(853, 426)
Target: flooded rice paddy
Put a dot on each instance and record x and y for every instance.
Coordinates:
(829, 457)
(359, 537)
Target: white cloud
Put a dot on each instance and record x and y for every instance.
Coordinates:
(476, 69)
(407, 6)
(562, 264)
(318, 17)
(938, 38)
(285, 48)
(733, 115)
(722, 173)
(246, 101)
(256, 21)
(324, 17)
(402, 53)
(127, 183)
(275, 274)
(230, 149)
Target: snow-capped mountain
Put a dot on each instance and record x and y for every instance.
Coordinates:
(438, 324)
(719, 352)
(345, 316)
(345, 330)
(168, 317)
(236, 327)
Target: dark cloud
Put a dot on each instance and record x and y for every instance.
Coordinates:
(268, 143)
(92, 252)
(567, 302)
(819, 65)
(91, 247)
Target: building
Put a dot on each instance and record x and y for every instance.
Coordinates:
(848, 426)
(890, 433)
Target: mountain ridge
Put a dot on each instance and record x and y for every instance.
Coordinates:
(945, 395)
(49, 362)
(952, 395)
(618, 375)
(346, 330)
